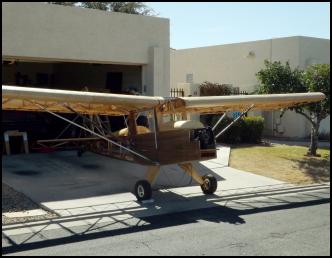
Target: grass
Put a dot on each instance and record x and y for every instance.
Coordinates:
(282, 162)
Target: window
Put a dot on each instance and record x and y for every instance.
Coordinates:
(189, 78)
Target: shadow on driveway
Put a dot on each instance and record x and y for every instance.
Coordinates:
(230, 212)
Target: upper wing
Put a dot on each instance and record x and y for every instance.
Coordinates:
(216, 104)
(65, 101)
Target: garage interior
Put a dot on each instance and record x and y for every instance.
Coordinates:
(96, 77)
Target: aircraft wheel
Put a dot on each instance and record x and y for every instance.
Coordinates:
(143, 190)
(210, 184)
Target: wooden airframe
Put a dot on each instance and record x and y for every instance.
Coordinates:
(166, 143)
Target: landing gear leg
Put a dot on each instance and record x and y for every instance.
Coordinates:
(208, 183)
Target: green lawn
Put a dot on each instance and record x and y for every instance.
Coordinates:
(286, 163)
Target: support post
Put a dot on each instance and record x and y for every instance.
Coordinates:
(152, 173)
(234, 121)
(156, 127)
(191, 171)
(132, 126)
(219, 120)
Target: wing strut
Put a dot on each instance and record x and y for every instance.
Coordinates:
(218, 122)
(233, 122)
(92, 132)
(93, 123)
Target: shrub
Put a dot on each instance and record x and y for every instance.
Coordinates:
(215, 89)
(246, 130)
(252, 129)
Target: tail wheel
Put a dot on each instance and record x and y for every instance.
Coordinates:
(143, 190)
(209, 185)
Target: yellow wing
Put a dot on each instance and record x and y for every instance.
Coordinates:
(217, 104)
(64, 101)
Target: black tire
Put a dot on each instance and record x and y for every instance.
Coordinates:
(143, 190)
(210, 184)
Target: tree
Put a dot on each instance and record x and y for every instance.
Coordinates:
(131, 7)
(63, 3)
(317, 78)
(95, 5)
(123, 7)
(215, 89)
(279, 78)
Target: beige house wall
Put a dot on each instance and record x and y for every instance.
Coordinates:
(313, 51)
(238, 63)
(219, 63)
(45, 32)
(310, 51)
(234, 64)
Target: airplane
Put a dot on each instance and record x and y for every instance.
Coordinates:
(157, 130)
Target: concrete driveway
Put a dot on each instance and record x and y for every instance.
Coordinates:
(67, 184)
(92, 195)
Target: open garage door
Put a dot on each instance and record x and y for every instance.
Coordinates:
(108, 78)
(73, 76)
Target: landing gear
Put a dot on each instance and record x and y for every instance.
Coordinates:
(143, 190)
(209, 185)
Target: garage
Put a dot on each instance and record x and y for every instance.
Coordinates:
(58, 47)
(108, 78)
(111, 78)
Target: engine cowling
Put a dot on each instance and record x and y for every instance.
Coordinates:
(205, 136)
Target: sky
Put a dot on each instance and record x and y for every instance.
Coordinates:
(204, 24)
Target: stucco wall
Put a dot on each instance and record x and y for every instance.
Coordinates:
(232, 64)
(51, 32)
(229, 64)
(313, 51)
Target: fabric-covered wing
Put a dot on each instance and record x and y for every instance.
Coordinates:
(217, 104)
(31, 99)
(64, 101)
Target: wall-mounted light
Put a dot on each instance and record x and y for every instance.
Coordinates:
(250, 54)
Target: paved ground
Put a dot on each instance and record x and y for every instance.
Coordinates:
(65, 176)
(293, 223)
(69, 185)
(92, 196)
(321, 144)
(16, 207)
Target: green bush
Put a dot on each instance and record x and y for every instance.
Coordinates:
(253, 129)
(215, 89)
(246, 130)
